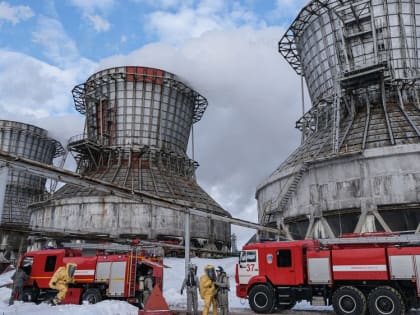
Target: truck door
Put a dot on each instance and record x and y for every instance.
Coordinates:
(287, 268)
(248, 266)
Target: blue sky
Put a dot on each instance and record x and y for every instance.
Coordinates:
(98, 29)
(226, 50)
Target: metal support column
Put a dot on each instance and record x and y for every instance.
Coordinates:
(187, 241)
(192, 147)
(416, 94)
(388, 124)
(381, 221)
(4, 173)
(303, 105)
(400, 97)
(187, 251)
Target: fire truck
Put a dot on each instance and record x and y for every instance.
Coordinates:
(376, 274)
(104, 271)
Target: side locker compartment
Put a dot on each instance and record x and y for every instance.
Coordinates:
(103, 271)
(319, 267)
(417, 264)
(113, 273)
(401, 267)
(404, 264)
(117, 281)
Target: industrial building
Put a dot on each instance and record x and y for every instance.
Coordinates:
(137, 129)
(20, 188)
(358, 166)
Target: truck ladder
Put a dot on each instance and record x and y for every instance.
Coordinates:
(409, 239)
(149, 247)
(109, 247)
(132, 272)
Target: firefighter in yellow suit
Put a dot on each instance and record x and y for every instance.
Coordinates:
(208, 289)
(60, 281)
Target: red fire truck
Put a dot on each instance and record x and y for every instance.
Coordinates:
(357, 274)
(103, 272)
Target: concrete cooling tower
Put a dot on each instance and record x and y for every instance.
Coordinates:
(138, 122)
(20, 188)
(358, 167)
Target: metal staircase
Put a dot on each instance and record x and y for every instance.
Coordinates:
(289, 189)
(293, 184)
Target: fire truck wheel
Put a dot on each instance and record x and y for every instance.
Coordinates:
(385, 301)
(92, 296)
(349, 300)
(261, 299)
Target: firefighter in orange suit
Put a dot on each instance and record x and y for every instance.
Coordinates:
(60, 281)
(208, 289)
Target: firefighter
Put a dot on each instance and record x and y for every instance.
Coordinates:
(222, 290)
(19, 278)
(191, 282)
(208, 289)
(148, 286)
(60, 281)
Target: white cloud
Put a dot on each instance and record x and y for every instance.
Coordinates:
(34, 92)
(254, 101)
(89, 6)
(14, 14)
(175, 28)
(207, 7)
(32, 89)
(99, 23)
(193, 21)
(89, 9)
(165, 4)
(57, 45)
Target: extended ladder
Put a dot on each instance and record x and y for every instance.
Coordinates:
(408, 239)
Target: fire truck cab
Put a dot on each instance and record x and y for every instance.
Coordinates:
(103, 272)
(356, 275)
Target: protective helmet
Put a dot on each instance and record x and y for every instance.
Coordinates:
(26, 264)
(209, 270)
(207, 267)
(71, 269)
(219, 269)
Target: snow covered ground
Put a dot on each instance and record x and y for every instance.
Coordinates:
(173, 277)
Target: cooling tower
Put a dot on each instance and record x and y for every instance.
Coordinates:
(358, 166)
(138, 122)
(30, 142)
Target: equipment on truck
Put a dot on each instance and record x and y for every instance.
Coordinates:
(377, 273)
(104, 271)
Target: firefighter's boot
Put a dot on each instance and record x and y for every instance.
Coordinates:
(56, 301)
